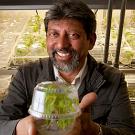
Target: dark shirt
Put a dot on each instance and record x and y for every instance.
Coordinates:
(112, 108)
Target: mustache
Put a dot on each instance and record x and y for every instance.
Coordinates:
(66, 66)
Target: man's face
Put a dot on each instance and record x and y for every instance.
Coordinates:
(67, 44)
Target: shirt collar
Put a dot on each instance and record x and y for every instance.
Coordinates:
(78, 79)
(82, 73)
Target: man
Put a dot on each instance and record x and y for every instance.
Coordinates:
(70, 33)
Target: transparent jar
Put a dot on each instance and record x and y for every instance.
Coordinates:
(54, 106)
(21, 49)
(37, 49)
(126, 55)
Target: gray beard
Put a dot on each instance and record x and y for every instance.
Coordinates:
(67, 67)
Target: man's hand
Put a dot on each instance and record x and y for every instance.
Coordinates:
(26, 126)
(83, 124)
(88, 100)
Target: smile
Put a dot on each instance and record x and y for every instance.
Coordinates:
(63, 54)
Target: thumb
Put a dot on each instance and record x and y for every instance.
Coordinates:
(88, 100)
(32, 128)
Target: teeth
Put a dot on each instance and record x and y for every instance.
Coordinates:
(62, 54)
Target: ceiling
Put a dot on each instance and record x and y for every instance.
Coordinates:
(45, 4)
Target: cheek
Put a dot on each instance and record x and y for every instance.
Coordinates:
(81, 47)
(49, 45)
(49, 49)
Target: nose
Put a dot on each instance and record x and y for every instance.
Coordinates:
(63, 41)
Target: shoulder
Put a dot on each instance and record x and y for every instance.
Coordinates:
(38, 64)
(108, 68)
(35, 67)
(109, 71)
(102, 68)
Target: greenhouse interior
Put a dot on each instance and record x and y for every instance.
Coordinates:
(22, 39)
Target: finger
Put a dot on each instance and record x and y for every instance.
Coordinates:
(88, 100)
(32, 127)
(76, 128)
(32, 130)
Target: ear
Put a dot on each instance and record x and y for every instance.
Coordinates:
(92, 39)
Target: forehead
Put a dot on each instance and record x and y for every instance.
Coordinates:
(66, 23)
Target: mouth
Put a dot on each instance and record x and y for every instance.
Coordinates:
(63, 55)
(65, 60)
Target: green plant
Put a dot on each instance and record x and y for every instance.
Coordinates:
(130, 38)
(35, 23)
(28, 39)
(21, 49)
(59, 103)
(126, 56)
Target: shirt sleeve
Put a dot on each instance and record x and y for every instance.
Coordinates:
(8, 127)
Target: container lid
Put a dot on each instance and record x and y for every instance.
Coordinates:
(54, 100)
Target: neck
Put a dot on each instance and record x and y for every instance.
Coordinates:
(70, 76)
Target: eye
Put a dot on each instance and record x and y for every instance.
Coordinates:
(73, 36)
(52, 34)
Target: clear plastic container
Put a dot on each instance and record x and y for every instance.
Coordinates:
(55, 106)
